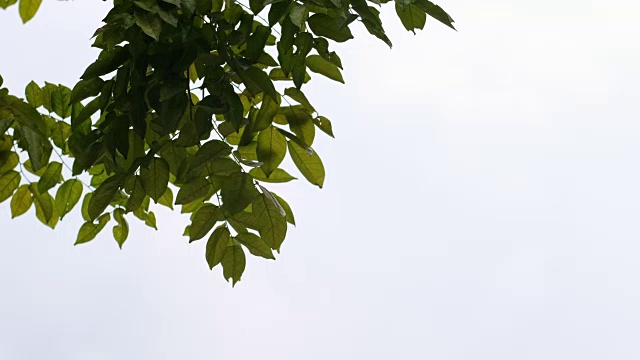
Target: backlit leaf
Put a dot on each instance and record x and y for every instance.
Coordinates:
(237, 192)
(28, 9)
(255, 245)
(309, 165)
(155, 178)
(67, 197)
(319, 65)
(193, 190)
(51, 177)
(203, 221)
(9, 182)
(217, 245)
(273, 226)
(21, 201)
(121, 230)
(233, 263)
(89, 229)
(271, 149)
(103, 195)
(277, 176)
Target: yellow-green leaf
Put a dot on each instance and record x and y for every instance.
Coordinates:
(50, 177)
(321, 66)
(155, 178)
(8, 161)
(121, 230)
(21, 201)
(9, 182)
(271, 149)
(67, 197)
(28, 9)
(89, 230)
(310, 166)
(277, 176)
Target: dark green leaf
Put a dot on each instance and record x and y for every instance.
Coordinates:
(203, 221)
(86, 88)
(193, 190)
(411, 16)
(237, 192)
(267, 111)
(209, 151)
(255, 245)
(155, 178)
(435, 12)
(333, 28)
(233, 263)
(108, 61)
(137, 194)
(149, 23)
(217, 245)
(257, 81)
(103, 196)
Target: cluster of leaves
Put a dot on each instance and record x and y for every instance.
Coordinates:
(201, 98)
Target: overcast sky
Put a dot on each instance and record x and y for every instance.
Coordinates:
(482, 201)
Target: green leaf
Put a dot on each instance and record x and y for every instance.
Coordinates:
(67, 197)
(9, 182)
(299, 96)
(333, 28)
(121, 230)
(237, 192)
(149, 23)
(137, 194)
(321, 66)
(108, 61)
(257, 81)
(28, 9)
(287, 209)
(86, 88)
(60, 104)
(217, 245)
(273, 226)
(324, 124)
(309, 165)
(21, 201)
(33, 93)
(92, 107)
(267, 111)
(60, 132)
(193, 190)
(298, 15)
(277, 176)
(104, 195)
(5, 4)
(233, 263)
(210, 151)
(255, 245)
(43, 203)
(89, 230)
(203, 221)
(271, 149)
(436, 12)
(155, 178)
(411, 16)
(51, 177)
(167, 199)
(8, 161)
(85, 206)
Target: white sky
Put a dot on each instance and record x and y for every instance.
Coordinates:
(481, 202)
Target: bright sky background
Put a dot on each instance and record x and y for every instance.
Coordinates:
(482, 202)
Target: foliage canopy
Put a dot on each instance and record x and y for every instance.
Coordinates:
(193, 103)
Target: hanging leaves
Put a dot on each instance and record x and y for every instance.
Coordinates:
(134, 124)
